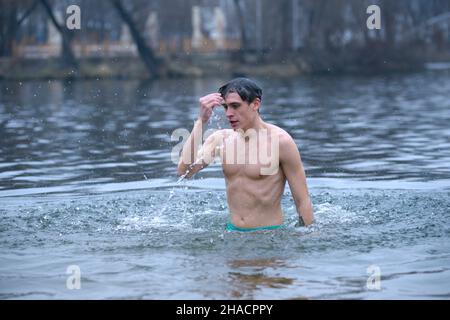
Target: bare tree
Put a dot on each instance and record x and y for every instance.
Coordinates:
(8, 26)
(153, 65)
(12, 14)
(68, 57)
(286, 22)
(242, 29)
(27, 12)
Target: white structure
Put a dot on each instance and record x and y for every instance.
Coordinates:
(197, 35)
(125, 36)
(152, 29)
(54, 37)
(219, 28)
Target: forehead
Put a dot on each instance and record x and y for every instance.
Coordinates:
(233, 97)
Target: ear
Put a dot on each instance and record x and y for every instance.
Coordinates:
(256, 104)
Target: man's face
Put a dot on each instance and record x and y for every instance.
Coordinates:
(240, 114)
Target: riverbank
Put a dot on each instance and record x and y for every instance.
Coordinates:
(133, 68)
(198, 66)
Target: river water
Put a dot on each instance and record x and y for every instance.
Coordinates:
(87, 182)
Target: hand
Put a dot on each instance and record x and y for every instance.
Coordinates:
(300, 222)
(207, 104)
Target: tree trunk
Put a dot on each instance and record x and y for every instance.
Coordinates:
(244, 42)
(146, 53)
(68, 57)
(286, 29)
(27, 13)
(388, 8)
(8, 27)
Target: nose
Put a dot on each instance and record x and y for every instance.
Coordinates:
(229, 113)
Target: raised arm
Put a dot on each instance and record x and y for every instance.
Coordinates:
(192, 159)
(292, 166)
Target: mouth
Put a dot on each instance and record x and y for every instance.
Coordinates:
(234, 123)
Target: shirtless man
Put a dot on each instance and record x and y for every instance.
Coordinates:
(257, 158)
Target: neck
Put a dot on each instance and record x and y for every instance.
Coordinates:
(257, 124)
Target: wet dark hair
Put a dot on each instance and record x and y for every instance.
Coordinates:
(247, 89)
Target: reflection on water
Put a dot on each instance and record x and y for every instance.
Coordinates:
(86, 179)
(248, 276)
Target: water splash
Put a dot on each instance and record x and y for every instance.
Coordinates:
(327, 213)
(217, 119)
(177, 184)
(215, 123)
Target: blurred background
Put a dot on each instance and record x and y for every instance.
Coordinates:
(86, 170)
(171, 38)
(99, 103)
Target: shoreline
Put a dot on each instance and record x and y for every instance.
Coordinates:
(191, 67)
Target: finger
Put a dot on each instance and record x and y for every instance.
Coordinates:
(218, 99)
(210, 105)
(213, 95)
(207, 103)
(214, 102)
(218, 103)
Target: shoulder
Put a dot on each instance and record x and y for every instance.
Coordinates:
(284, 138)
(288, 150)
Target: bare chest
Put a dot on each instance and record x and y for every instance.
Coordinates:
(251, 157)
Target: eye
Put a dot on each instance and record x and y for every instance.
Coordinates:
(225, 106)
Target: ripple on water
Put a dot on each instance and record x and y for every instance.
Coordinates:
(345, 218)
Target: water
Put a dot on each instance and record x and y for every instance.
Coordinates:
(86, 179)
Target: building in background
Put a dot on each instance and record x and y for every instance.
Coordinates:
(183, 27)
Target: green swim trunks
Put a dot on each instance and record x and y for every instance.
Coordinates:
(232, 227)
